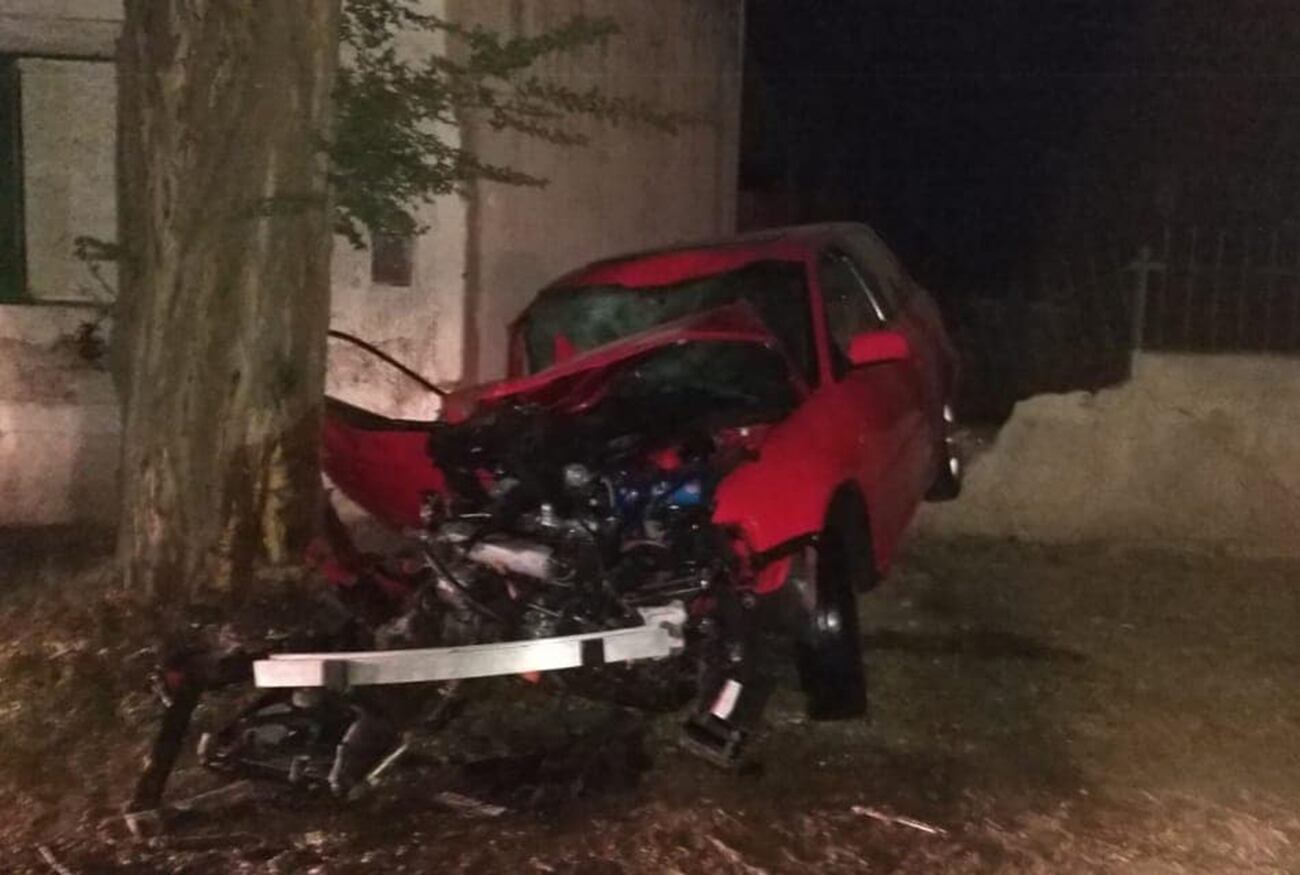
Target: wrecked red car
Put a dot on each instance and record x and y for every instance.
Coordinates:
(694, 448)
(707, 423)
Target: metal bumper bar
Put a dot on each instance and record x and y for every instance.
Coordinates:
(661, 636)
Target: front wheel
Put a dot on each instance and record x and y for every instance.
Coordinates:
(829, 648)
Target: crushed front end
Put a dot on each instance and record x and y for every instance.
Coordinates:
(566, 523)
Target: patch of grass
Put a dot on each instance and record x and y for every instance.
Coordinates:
(73, 664)
(76, 653)
(1054, 709)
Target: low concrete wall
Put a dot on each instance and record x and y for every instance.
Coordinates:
(1195, 450)
(58, 422)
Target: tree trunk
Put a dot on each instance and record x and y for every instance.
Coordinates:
(224, 303)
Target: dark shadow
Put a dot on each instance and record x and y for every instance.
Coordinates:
(977, 643)
(605, 759)
(28, 553)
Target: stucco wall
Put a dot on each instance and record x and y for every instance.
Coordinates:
(630, 189)
(58, 412)
(67, 28)
(481, 260)
(58, 421)
(1195, 450)
(422, 325)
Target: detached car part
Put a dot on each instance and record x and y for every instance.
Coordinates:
(661, 636)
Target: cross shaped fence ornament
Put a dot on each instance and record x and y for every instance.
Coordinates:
(1142, 267)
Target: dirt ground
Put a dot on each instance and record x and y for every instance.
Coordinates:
(1082, 709)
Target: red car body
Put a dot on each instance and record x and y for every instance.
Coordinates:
(870, 415)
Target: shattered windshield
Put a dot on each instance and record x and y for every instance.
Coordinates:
(583, 318)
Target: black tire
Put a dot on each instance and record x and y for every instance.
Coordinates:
(829, 649)
(947, 479)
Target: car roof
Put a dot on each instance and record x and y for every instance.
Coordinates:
(685, 261)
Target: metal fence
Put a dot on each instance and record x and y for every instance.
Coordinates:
(1067, 326)
(1073, 323)
(1220, 290)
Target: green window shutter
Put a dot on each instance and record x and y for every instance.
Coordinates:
(12, 279)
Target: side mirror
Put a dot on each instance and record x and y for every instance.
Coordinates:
(874, 347)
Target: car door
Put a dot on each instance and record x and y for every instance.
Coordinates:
(883, 403)
(912, 312)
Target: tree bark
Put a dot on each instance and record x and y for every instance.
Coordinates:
(224, 304)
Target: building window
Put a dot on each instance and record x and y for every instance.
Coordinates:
(58, 177)
(392, 259)
(12, 267)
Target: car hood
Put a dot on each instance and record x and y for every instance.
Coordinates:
(580, 382)
(385, 465)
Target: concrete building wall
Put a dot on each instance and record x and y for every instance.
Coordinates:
(58, 411)
(630, 189)
(423, 324)
(478, 264)
(58, 421)
(64, 28)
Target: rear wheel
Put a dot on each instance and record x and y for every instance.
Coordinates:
(829, 648)
(947, 480)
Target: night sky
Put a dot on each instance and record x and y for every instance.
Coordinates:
(977, 134)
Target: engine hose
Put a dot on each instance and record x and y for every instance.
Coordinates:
(446, 574)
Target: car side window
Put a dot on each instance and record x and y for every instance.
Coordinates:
(876, 261)
(851, 305)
